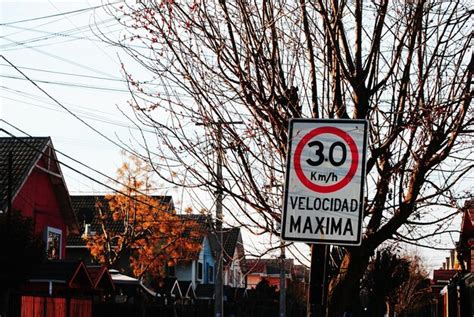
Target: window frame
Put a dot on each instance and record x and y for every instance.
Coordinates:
(200, 271)
(210, 273)
(55, 231)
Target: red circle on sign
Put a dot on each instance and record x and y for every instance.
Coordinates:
(352, 169)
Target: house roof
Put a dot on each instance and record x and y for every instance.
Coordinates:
(101, 277)
(86, 212)
(205, 291)
(72, 273)
(26, 152)
(443, 276)
(230, 241)
(187, 289)
(267, 266)
(119, 278)
(169, 287)
(467, 226)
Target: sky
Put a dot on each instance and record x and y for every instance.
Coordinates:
(55, 44)
(65, 58)
(83, 91)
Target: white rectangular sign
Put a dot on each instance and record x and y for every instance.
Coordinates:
(325, 177)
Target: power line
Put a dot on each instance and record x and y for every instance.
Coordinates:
(67, 84)
(63, 59)
(52, 35)
(101, 49)
(87, 116)
(67, 74)
(60, 14)
(98, 78)
(70, 112)
(81, 173)
(37, 98)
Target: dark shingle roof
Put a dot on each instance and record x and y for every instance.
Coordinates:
(187, 289)
(205, 291)
(100, 277)
(267, 266)
(25, 153)
(169, 287)
(72, 273)
(86, 212)
(230, 240)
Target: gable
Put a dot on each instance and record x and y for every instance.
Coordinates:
(232, 244)
(467, 226)
(25, 152)
(35, 171)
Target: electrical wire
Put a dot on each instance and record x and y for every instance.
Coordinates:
(94, 70)
(81, 173)
(67, 84)
(60, 14)
(94, 118)
(37, 98)
(68, 74)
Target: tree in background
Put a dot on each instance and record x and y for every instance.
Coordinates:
(414, 295)
(136, 225)
(382, 281)
(404, 66)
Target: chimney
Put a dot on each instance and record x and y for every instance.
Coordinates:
(453, 258)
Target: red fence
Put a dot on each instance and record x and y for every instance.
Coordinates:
(36, 306)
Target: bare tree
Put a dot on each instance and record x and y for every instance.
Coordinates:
(402, 65)
(415, 293)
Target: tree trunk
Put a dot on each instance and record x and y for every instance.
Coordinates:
(344, 288)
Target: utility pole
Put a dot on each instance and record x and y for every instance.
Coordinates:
(219, 288)
(282, 278)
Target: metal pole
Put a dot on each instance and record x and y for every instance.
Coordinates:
(282, 280)
(219, 298)
(219, 289)
(316, 305)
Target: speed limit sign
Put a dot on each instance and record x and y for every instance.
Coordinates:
(325, 174)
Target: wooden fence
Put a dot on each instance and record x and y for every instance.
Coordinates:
(42, 306)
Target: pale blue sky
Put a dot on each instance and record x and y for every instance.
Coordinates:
(74, 50)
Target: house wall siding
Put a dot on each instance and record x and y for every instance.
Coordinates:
(253, 280)
(184, 271)
(207, 259)
(37, 199)
(188, 271)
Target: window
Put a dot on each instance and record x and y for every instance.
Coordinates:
(210, 273)
(237, 279)
(53, 243)
(199, 271)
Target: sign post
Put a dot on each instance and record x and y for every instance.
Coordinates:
(323, 201)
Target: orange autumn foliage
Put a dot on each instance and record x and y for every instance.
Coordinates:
(138, 225)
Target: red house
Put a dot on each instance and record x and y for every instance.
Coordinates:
(466, 239)
(37, 190)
